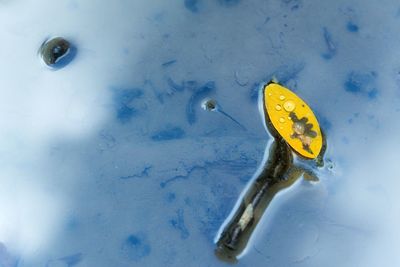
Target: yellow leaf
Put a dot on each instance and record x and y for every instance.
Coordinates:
(293, 119)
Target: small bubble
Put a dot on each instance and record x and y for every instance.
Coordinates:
(289, 106)
(282, 97)
(330, 165)
(209, 104)
(282, 119)
(278, 107)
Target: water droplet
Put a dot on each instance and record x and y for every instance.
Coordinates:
(282, 119)
(57, 52)
(278, 107)
(289, 106)
(282, 97)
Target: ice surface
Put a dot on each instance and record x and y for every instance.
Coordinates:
(111, 161)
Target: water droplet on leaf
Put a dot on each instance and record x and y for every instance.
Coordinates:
(289, 106)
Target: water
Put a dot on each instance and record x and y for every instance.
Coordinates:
(111, 161)
(289, 106)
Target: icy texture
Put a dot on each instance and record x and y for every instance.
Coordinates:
(111, 161)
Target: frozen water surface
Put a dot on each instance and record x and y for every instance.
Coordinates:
(111, 160)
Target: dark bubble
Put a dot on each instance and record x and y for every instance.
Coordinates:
(209, 104)
(57, 52)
